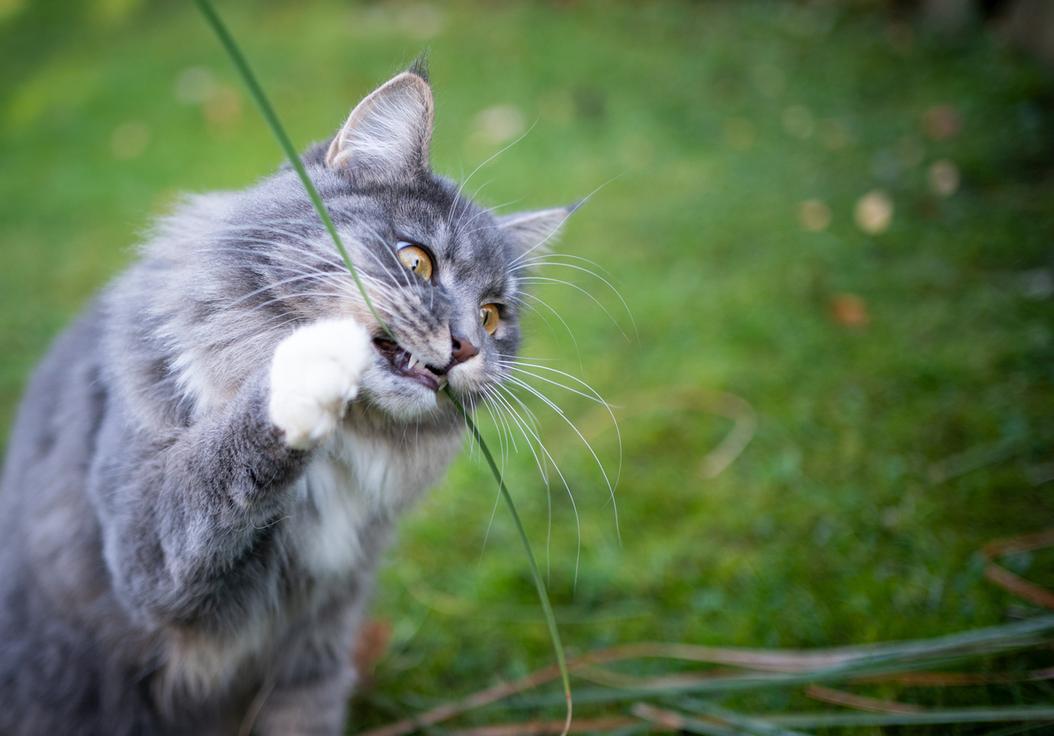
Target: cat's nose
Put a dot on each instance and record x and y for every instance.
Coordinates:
(462, 349)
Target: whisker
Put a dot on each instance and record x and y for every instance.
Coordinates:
(595, 275)
(596, 458)
(543, 257)
(541, 470)
(570, 332)
(592, 395)
(483, 211)
(556, 229)
(545, 450)
(486, 161)
(550, 280)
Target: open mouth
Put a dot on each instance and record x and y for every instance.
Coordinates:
(404, 363)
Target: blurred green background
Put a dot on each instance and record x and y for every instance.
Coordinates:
(833, 227)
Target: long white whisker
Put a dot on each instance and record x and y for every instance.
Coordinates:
(486, 161)
(550, 280)
(545, 257)
(545, 450)
(592, 395)
(596, 458)
(492, 399)
(483, 211)
(556, 229)
(595, 275)
(570, 332)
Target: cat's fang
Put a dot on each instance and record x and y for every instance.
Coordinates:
(411, 362)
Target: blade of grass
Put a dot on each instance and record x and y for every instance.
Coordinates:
(674, 721)
(882, 659)
(756, 726)
(854, 720)
(539, 584)
(931, 717)
(600, 724)
(1019, 728)
(858, 702)
(257, 93)
(258, 96)
(763, 661)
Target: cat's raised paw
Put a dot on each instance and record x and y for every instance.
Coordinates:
(315, 372)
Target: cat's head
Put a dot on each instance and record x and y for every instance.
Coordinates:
(444, 274)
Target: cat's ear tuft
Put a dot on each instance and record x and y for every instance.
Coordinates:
(420, 66)
(388, 134)
(534, 231)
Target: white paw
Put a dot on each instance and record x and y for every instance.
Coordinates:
(315, 372)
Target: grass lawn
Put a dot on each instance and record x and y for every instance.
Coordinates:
(898, 366)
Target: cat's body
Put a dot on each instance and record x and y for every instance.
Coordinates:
(209, 462)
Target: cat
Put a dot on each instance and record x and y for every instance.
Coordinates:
(208, 463)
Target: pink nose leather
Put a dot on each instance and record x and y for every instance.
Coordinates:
(463, 350)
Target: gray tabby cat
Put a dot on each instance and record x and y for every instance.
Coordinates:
(208, 463)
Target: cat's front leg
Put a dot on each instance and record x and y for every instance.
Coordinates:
(189, 527)
(314, 374)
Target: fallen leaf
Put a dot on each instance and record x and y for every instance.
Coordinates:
(371, 646)
(941, 122)
(849, 310)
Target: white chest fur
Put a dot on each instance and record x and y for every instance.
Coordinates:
(354, 488)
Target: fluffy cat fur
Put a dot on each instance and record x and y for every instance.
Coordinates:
(209, 461)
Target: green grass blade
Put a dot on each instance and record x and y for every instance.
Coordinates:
(679, 722)
(881, 659)
(257, 93)
(842, 719)
(946, 716)
(754, 725)
(539, 584)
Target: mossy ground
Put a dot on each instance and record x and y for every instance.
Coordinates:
(901, 380)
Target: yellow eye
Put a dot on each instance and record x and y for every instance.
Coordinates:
(489, 317)
(416, 258)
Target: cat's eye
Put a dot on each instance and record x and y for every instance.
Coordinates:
(489, 317)
(416, 258)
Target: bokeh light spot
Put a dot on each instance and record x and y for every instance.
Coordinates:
(874, 212)
(195, 85)
(814, 215)
(129, 139)
(943, 177)
(499, 124)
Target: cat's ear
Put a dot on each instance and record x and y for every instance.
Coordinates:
(387, 134)
(534, 231)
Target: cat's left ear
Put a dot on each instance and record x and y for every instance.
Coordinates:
(388, 134)
(535, 231)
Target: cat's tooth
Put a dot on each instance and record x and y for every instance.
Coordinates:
(411, 362)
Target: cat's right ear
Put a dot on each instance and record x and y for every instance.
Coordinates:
(388, 134)
(536, 230)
